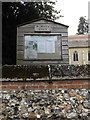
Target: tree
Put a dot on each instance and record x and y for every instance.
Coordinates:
(14, 13)
(83, 26)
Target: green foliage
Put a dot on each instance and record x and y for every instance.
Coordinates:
(26, 11)
(83, 26)
(33, 72)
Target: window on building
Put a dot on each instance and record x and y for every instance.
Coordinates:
(75, 56)
(88, 55)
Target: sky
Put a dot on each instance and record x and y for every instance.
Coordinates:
(72, 10)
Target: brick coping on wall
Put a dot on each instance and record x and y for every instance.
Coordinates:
(46, 79)
(45, 84)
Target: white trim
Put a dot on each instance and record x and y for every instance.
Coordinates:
(83, 55)
(42, 34)
(69, 57)
(87, 56)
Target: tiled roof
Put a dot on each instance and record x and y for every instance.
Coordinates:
(78, 41)
(77, 37)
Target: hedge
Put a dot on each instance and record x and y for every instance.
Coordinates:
(42, 71)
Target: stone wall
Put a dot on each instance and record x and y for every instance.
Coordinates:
(44, 104)
(60, 94)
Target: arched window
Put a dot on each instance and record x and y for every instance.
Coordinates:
(88, 55)
(75, 56)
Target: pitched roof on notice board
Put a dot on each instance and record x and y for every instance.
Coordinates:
(35, 20)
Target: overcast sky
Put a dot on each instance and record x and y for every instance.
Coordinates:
(72, 10)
